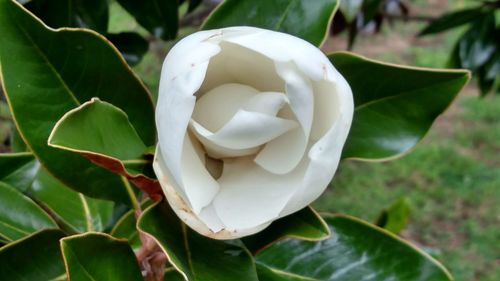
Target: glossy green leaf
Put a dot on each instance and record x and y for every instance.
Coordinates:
(102, 133)
(47, 73)
(97, 256)
(479, 43)
(19, 215)
(395, 218)
(305, 224)
(197, 257)
(452, 20)
(125, 228)
(76, 211)
(132, 46)
(355, 251)
(394, 105)
(98, 127)
(91, 14)
(34, 258)
(350, 8)
(306, 19)
(160, 17)
(18, 169)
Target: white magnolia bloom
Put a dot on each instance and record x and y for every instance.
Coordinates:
(251, 125)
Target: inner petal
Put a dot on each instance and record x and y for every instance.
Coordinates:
(266, 102)
(216, 107)
(282, 154)
(237, 64)
(199, 186)
(246, 130)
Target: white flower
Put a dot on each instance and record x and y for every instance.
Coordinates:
(251, 125)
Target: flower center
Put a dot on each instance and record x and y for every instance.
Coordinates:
(234, 120)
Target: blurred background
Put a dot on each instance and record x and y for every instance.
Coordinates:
(448, 188)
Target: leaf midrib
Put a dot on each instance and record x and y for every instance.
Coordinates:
(405, 93)
(47, 61)
(282, 272)
(12, 228)
(86, 213)
(284, 16)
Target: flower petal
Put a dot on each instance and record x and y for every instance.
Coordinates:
(182, 75)
(237, 64)
(216, 107)
(299, 91)
(266, 102)
(325, 154)
(283, 154)
(250, 196)
(246, 130)
(282, 47)
(178, 204)
(198, 185)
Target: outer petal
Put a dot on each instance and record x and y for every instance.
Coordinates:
(250, 195)
(325, 154)
(282, 47)
(184, 212)
(181, 76)
(282, 155)
(199, 186)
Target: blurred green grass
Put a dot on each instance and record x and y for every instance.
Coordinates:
(451, 179)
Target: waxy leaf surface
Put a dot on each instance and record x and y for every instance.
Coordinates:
(93, 14)
(305, 224)
(34, 258)
(76, 211)
(47, 72)
(19, 215)
(96, 256)
(356, 250)
(309, 20)
(125, 228)
(18, 169)
(102, 133)
(394, 105)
